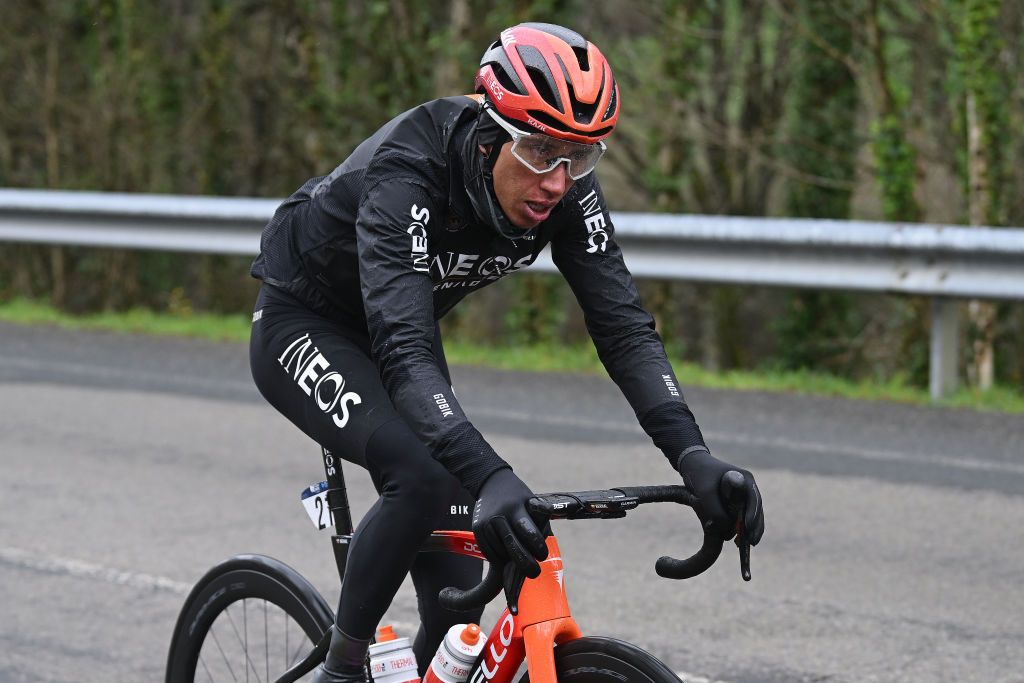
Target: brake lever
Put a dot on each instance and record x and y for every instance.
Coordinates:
(731, 488)
(744, 545)
(512, 582)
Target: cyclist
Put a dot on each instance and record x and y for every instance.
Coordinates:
(359, 265)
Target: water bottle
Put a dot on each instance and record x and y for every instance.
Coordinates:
(455, 655)
(392, 659)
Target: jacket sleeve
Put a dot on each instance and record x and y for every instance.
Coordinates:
(393, 233)
(585, 251)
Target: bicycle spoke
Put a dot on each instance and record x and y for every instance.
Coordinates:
(206, 668)
(266, 639)
(248, 659)
(227, 662)
(244, 642)
(297, 655)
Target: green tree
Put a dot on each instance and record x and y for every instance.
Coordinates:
(818, 329)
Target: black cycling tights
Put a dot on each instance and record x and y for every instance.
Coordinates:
(319, 374)
(390, 534)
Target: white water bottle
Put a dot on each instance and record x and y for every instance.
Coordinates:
(392, 659)
(455, 655)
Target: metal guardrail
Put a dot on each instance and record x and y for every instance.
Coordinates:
(939, 261)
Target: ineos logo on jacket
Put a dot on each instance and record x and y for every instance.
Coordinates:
(418, 232)
(307, 367)
(451, 270)
(593, 216)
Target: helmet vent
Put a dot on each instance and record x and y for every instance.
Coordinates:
(543, 89)
(583, 57)
(541, 75)
(506, 82)
(613, 101)
(503, 69)
(581, 113)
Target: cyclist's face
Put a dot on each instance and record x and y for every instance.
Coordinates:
(527, 198)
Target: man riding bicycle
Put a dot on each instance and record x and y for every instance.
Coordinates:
(359, 265)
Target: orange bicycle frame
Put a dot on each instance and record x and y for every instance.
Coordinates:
(544, 619)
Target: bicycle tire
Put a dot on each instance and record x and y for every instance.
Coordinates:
(258, 578)
(606, 660)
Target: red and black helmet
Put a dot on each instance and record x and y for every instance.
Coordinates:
(551, 79)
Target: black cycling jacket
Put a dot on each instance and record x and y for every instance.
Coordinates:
(389, 242)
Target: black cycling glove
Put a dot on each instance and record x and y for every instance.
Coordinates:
(504, 528)
(717, 507)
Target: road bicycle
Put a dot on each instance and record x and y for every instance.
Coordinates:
(254, 618)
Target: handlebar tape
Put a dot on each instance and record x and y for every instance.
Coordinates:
(671, 568)
(478, 596)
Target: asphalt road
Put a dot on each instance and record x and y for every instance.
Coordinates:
(129, 465)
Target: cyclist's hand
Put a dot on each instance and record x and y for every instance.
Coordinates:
(504, 529)
(722, 509)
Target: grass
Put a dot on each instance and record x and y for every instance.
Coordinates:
(535, 358)
(185, 324)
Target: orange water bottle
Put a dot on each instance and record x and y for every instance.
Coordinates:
(392, 659)
(455, 655)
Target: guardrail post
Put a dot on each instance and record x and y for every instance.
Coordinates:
(944, 352)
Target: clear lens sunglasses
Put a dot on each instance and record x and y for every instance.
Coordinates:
(542, 153)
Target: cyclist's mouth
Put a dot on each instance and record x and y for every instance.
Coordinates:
(538, 211)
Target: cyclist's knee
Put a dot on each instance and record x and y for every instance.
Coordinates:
(402, 468)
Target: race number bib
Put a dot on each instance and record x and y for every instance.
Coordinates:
(314, 499)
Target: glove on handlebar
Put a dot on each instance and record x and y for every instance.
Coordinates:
(504, 528)
(717, 507)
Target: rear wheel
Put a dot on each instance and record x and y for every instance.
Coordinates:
(249, 619)
(606, 660)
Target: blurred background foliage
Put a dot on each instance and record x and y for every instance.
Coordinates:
(902, 110)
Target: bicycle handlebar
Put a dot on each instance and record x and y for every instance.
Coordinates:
(605, 504)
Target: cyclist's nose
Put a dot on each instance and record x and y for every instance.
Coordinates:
(557, 180)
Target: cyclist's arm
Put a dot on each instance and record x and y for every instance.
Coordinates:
(393, 232)
(585, 251)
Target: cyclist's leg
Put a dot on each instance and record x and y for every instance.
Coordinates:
(414, 488)
(320, 376)
(433, 571)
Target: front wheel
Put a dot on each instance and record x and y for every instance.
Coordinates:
(249, 618)
(606, 660)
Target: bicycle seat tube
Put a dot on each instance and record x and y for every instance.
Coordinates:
(337, 501)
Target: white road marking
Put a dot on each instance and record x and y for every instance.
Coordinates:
(23, 559)
(694, 678)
